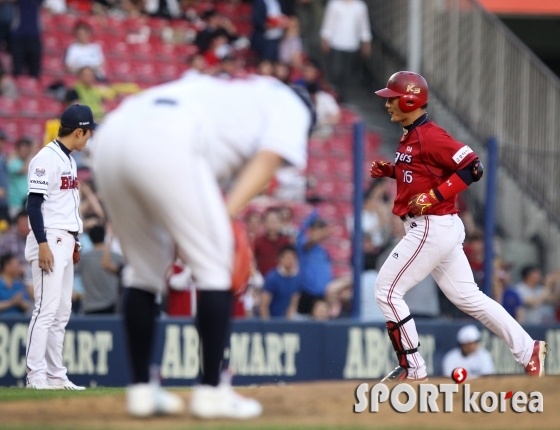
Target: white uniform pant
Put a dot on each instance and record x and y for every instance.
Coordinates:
(53, 305)
(433, 244)
(160, 193)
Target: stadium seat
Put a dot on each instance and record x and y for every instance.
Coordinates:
(53, 66)
(165, 52)
(168, 72)
(49, 107)
(29, 107)
(51, 45)
(10, 126)
(28, 86)
(142, 51)
(65, 22)
(8, 107)
(120, 70)
(145, 72)
(119, 49)
(33, 128)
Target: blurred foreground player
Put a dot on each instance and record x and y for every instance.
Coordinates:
(160, 159)
(431, 169)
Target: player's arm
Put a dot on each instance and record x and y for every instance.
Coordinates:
(380, 169)
(292, 309)
(455, 184)
(266, 298)
(252, 179)
(34, 203)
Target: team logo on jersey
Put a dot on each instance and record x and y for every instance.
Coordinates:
(40, 171)
(68, 183)
(403, 158)
(409, 149)
(58, 240)
(395, 255)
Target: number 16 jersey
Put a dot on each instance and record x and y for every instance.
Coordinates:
(426, 157)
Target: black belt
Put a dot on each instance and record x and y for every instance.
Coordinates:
(73, 233)
(405, 217)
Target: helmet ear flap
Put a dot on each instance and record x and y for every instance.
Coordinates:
(409, 103)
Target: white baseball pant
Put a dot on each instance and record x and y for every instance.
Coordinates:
(53, 306)
(161, 193)
(433, 244)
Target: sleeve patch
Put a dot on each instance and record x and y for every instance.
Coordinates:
(40, 171)
(461, 154)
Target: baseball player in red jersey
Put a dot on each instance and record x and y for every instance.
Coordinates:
(431, 169)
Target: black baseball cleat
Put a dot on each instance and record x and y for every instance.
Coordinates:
(398, 374)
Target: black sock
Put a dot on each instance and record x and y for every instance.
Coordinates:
(213, 316)
(140, 310)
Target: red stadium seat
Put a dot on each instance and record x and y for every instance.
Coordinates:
(33, 128)
(49, 107)
(145, 72)
(8, 107)
(165, 52)
(53, 66)
(28, 86)
(51, 45)
(168, 72)
(142, 51)
(11, 128)
(65, 22)
(120, 70)
(29, 107)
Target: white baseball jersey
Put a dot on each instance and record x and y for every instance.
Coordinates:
(53, 174)
(159, 158)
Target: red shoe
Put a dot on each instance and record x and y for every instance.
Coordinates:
(536, 363)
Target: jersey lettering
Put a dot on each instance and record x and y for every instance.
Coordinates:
(68, 183)
(36, 182)
(461, 154)
(404, 158)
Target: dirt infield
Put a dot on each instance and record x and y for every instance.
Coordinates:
(313, 405)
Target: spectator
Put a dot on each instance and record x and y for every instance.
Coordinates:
(265, 68)
(510, 299)
(320, 310)
(101, 287)
(6, 17)
(310, 75)
(315, 263)
(345, 27)
(282, 286)
(474, 250)
(376, 223)
(13, 297)
(84, 53)
(162, 8)
(3, 179)
(538, 300)
(282, 72)
(17, 174)
(52, 125)
(25, 42)
(13, 241)
(55, 6)
(8, 86)
(88, 93)
(197, 66)
(219, 49)
(268, 28)
(469, 355)
(288, 227)
(214, 25)
(290, 50)
(253, 222)
(269, 244)
(326, 108)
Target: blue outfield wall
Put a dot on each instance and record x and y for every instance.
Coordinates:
(260, 351)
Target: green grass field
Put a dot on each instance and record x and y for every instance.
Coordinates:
(14, 394)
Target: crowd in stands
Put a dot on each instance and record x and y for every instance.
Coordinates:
(97, 52)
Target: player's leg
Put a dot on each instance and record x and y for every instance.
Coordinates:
(408, 263)
(202, 229)
(149, 252)
(454, 277)
(47, 293)
(56, 372)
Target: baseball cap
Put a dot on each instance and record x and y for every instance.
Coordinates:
(78, 116)
(468, 334)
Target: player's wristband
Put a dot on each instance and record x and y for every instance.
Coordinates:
(451, 187)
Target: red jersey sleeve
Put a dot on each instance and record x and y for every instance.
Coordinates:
(446, 152)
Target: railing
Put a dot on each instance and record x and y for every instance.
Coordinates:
(492, 82)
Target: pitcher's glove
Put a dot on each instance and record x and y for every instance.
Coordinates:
(380, 169)
(422, 203)
(76, 254)
(243, 257)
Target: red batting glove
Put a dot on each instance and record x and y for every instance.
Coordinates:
(421, 203)
(380, 169)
